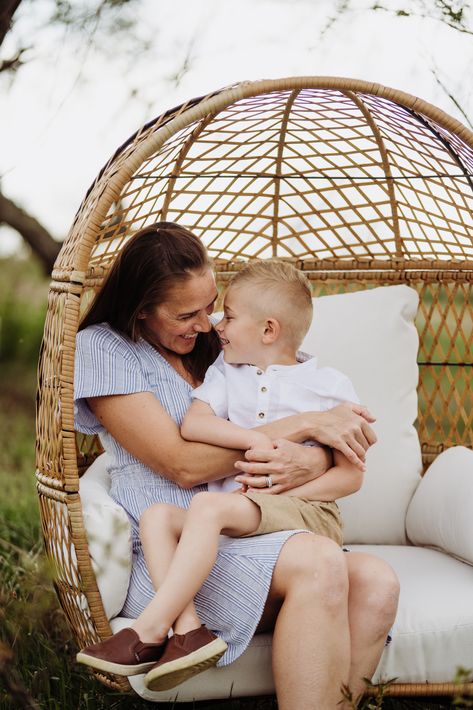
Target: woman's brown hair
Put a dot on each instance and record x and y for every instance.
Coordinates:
(147, 267)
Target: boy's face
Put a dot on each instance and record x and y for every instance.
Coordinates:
(240, 329)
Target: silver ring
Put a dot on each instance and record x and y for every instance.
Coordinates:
(269, 481)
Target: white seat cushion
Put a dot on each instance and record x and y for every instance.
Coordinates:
(433, 633)
(432, 636)
(371, 337)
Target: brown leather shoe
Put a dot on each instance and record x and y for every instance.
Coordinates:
(185, 655)
(122, 654)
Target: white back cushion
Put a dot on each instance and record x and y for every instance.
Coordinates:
(370, 336)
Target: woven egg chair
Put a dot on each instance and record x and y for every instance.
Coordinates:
(359, 185)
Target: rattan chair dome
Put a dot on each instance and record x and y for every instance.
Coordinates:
(358, 184)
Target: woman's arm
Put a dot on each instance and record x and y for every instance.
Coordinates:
(139, 423)
(142, 426)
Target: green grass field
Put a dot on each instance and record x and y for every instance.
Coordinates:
(37, 668)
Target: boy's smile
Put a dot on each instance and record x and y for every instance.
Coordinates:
(240, 330)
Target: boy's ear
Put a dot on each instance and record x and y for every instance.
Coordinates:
(272, 330)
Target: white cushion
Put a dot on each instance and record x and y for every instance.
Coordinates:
(433, 632)
(441, 512)
(109, 534)
(370, 336)
(432, 636)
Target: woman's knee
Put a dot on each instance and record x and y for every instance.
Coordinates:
(314, 566)
(374, 581)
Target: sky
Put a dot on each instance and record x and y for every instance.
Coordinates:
(71, 105)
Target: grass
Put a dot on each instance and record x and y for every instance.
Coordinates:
(36, 647)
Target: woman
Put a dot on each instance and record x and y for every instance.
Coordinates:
(144, 345)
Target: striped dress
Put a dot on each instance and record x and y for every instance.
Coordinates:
(233, 596)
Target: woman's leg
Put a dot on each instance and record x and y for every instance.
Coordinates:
(372, 605)
(160, 529)
(311, 641)
(314, 678)
(209, 514)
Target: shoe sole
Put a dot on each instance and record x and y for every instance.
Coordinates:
(99, 664)
(176, 672)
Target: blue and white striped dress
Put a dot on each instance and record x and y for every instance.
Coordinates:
(232, 598)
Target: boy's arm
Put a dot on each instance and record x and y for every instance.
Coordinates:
(201, 424)
(343, 479)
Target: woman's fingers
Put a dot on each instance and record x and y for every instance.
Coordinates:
(347, 429)
(263, 455)
(363, 412)
(369, 434)
(353, 451)
(274, 490)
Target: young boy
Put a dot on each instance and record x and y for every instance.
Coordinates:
(259, 377)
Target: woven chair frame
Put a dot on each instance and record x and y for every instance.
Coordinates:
(357, 184)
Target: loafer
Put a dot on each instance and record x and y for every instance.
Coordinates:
(185, 655)
(122, 654)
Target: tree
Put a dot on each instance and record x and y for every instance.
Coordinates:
(94, 23)
(88, 20)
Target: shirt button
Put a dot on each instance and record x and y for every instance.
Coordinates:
(259, 372)
(261, 415)
(264, 389)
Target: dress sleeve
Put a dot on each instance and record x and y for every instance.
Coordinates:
(213, 390)
(105, 364)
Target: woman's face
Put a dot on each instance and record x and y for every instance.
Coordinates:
(174, 325)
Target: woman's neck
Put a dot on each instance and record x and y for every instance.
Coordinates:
(175, 360)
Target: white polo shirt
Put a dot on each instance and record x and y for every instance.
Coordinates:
(249, 396)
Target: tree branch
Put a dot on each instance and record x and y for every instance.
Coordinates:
(39, 239)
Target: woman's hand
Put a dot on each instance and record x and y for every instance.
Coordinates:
(287, 464)
(345, 428)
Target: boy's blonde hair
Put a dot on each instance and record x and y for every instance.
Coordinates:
(285, 295)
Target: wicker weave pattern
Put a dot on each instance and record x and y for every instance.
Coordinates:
(359, 185)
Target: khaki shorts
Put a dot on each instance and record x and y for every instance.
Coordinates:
(280, 512)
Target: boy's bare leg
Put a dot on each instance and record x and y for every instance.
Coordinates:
(209, 515)
(160, 529)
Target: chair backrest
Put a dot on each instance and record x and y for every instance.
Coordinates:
(358, 184)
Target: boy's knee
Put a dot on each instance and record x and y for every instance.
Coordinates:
(204, 501)
(209, 506)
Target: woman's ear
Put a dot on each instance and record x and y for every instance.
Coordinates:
(272, 330)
